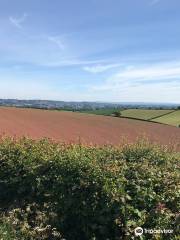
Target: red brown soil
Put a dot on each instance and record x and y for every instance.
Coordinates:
(87, 128)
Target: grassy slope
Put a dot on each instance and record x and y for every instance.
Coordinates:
(171, 119)
(145, 114)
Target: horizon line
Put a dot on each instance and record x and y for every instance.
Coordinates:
(81, 101)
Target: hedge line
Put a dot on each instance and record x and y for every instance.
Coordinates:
(58, 191)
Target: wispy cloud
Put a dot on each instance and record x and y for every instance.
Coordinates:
(139, 75)
(149, 73)
(58, 41)
(17, 22)
(154, 2)
(155, 83)
(70, 62)
(100, 68)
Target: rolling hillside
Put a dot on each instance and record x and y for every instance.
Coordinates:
(87, 128)
(171, 119)
(144, 114)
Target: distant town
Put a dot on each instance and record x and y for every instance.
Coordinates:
(78, 106)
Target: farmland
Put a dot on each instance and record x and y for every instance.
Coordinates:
(105, 111)
(87, 128)
(144, 114)
(164, 116)
(91, 179)
(171, 119)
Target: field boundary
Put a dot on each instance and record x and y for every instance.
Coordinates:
(144, 120)
(162, 115)
(132, 118)
(150, 120)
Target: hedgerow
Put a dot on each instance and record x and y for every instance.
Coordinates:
(59, 191)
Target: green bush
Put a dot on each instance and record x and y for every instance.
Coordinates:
(58, 191)
(117, 113)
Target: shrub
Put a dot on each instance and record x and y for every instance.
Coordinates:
(117, 114)
(58, 191)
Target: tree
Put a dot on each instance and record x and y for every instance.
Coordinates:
(117, 114)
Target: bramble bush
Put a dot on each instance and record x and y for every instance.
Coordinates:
(58, 191)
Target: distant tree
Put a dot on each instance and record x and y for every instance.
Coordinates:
(178, 107)
(117, 114)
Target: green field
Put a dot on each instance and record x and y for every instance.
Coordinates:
(144, 114)
(105, 111)
(171, 119)
(165, 116)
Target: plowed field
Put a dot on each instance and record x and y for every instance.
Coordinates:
(75, 127)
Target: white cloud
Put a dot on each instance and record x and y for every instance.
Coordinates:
(144, 73)
(158, 82)
(160, 92)
(58, 41)
(17, 22)
(69, 62)
(100, 68)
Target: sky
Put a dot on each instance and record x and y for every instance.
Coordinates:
(94, 50)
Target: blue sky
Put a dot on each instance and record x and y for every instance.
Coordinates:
(95, 50)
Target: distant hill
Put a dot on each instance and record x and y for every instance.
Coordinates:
(47, 104)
